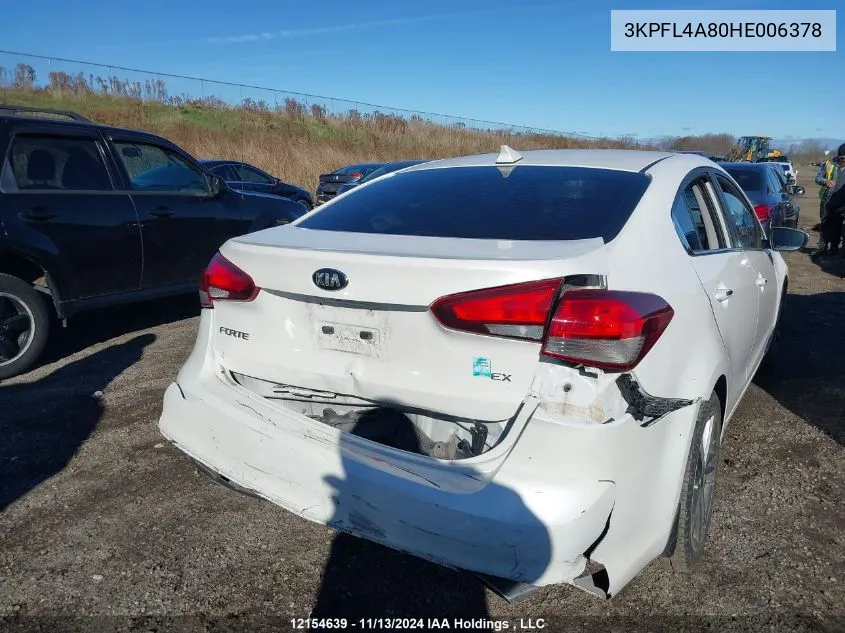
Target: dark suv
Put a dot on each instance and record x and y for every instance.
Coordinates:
(92, 216)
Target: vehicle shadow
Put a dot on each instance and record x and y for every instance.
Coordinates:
(43, 423)
(363, 579)
(808, 377)
(831, 264)
(98, 326)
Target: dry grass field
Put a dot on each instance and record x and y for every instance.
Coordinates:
(291, 140)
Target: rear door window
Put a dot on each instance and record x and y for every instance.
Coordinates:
(696, 220)
(777, 185)
(55, 163)
(499, 203)
(743, 222)
(226, 172)
(254, 176)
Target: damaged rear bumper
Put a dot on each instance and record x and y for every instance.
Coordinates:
(513, 523)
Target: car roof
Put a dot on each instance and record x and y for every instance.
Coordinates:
(222, 161)
(403, 162)
(86, 125)
(757, 166)
(617, 159)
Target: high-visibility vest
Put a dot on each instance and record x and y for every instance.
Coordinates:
(829, 172)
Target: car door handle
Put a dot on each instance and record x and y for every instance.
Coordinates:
(722, 294)
(36, 214)
(161, 212)
(761, 281)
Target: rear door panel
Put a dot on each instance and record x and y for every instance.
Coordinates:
(728, 278)
(748, 236)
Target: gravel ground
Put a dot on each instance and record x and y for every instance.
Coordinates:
(105, 528)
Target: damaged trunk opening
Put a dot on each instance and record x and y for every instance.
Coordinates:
(421, 432)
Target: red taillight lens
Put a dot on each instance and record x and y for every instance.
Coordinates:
(763, 211)
(355, 175)
(515, 311)
(223, 281)
(607, 329)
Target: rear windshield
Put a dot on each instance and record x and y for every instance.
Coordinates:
(386, 169)
(381, 171)
(748, 179)
(356, 169)
(529, 203)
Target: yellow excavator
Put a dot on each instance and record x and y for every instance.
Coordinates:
(752, 149)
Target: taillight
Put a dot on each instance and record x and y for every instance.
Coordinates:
(610, 330)
(763, 211)
(355, 175)
(223, 281)
(607, 329)
(515, 311)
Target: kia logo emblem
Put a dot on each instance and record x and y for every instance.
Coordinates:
(330, 279)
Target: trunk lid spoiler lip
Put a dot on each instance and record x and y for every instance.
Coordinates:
(318, 242)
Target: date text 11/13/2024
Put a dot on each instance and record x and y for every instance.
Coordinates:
(419, 624)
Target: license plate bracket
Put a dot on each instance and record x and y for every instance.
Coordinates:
(354, 339)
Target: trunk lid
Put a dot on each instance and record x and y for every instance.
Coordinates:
(375, 338)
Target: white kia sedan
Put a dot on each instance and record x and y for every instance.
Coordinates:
(520, 365)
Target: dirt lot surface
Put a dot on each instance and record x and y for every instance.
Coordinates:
(104, 527)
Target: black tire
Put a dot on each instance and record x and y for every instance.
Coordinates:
(19, 350)
(686, 543)
(304, 202)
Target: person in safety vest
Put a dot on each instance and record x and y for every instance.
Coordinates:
(826, 179)
(834, 209)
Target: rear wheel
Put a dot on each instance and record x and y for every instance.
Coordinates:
(686, 544)
(24, 326)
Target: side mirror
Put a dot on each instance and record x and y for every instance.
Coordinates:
(218, 186)
(785, 239)
(797, 190)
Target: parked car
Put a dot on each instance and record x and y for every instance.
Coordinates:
(790, 186)
(245, 177)
(92, 215)
(330, 183)
(381, 171)
(520, 365)
(785, 165)
(772, 199)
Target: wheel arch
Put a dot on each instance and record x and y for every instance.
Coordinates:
(33, 272)
(721, 390)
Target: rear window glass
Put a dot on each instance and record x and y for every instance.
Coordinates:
(356, 169)
(517, 203)
(381, 171)
(747, 179)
